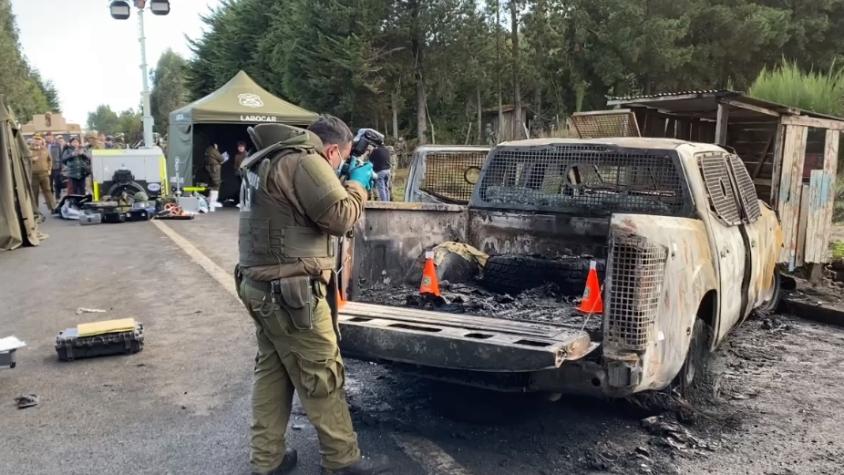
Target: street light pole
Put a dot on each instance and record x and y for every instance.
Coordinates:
(120, 10)
(148, 121)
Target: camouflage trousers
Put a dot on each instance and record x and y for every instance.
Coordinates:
(41, 184)
(292, 360)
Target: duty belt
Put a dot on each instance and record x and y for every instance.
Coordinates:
(271, 286)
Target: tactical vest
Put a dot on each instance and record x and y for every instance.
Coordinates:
(268, 230)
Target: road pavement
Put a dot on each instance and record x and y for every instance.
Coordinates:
(182, 404)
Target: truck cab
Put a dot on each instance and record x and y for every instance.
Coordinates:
(689, 249)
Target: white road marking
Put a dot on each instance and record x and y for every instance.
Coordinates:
(433, 459)
(225, 279)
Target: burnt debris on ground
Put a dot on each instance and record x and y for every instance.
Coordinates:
(545, 304)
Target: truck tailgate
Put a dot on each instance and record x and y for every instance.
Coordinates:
(457, 341)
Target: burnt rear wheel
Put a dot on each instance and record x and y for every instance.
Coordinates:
(691, 375)
(773, 304)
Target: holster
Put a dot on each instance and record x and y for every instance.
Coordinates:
(238, 279)
(297, 296)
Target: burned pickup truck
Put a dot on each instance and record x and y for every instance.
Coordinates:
(689, 253)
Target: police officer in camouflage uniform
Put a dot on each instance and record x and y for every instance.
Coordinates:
(292, 207)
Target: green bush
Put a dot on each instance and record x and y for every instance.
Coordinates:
(788, 85)
(838, 206)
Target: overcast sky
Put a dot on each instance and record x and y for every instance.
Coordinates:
(93, 59)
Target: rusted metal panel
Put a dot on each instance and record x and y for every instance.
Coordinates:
(765, 238)
(687, 274)
(790, 189)
(635, 276)
(606, 123)
(719, 187)
(390, 236)
(503, 232)
(724, 237)
(729, 254)
(444, 174)
(748, 198)
(584, 178)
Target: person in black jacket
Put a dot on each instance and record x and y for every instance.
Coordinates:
(78, 162)
(380, 159)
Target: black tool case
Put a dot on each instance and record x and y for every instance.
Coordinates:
(113, 217)
(70, 346)
(7, 359)
(138, 215)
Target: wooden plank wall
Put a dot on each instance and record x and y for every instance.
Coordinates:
(802, 223)
(821, 200)
(790, 190)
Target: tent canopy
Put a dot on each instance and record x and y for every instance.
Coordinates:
(222, 117)
(242, 100)
(17, 214)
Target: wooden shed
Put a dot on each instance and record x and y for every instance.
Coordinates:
(509, 127)
(50, 122)
(791, 154)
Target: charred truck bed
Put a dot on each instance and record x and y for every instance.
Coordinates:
(683, 252)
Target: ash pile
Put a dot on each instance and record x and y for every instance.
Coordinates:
(529, 288)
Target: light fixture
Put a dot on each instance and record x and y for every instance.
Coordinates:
(119, 9)
(159, 7)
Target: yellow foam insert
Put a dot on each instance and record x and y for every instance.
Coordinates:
(106, 326)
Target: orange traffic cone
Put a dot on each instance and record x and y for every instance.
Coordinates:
(430, 283)
(591, 302)
(341, 302)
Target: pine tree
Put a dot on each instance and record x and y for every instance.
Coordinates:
(169, 91)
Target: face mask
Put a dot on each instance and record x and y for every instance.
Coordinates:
(340, 168)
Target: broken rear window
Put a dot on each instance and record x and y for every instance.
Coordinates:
(589, 179)
(451, 175)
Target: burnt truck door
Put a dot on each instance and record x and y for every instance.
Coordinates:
(727, 238)
(760, 237)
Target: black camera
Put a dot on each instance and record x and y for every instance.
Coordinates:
(365, 140)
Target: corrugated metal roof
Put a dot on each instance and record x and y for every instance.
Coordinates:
(701, 92)
(707, 100)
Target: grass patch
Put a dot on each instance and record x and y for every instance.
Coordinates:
(838, 204)
(399, 177)
(837, 249)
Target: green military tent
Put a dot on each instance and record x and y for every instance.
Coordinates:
(222, 118)
(18, 224)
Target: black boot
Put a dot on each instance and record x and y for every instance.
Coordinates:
(365, 466)
(286, 465)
